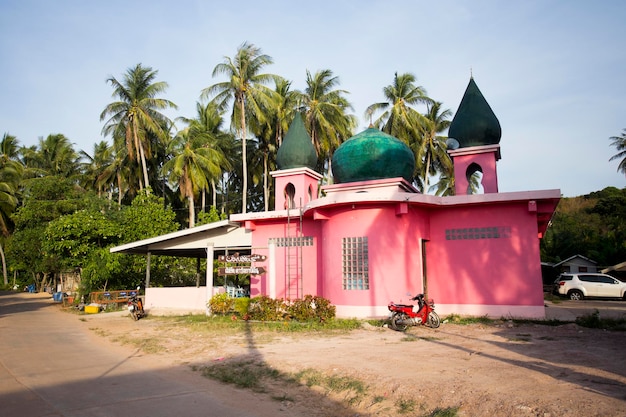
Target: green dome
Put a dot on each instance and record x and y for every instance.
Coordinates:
(297, 150)
(372, 155)
(474, 123)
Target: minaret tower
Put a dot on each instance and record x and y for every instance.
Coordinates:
(474, 142)
(296, 181)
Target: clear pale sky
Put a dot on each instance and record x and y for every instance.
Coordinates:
(554, 72)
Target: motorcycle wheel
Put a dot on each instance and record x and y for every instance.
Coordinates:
(433, 320)
(133, 314)
(397, 322)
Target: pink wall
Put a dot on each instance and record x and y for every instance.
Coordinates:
(504, 270)
(310, 257)
(487, 163)
(395, 266)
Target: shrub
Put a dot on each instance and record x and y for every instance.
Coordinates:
(241, 306)
(221, 304)
(265, 308)
(311, 308)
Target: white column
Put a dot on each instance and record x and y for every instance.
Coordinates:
(209, 274)
(271, 273)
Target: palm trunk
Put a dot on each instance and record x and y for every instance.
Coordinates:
(4, 267)
(192, 212)
(203, 200)
(214, 193)
(266, 191)
(244, 158)
(144, 168)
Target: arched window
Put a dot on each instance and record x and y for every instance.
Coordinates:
(290, 193)
(474, 175)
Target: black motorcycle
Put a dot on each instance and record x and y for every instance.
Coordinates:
(135, 306)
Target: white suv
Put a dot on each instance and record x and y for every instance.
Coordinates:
(579, 286)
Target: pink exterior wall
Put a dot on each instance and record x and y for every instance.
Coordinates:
(311, 259)
(306, 186)
(503, 271)
(487, 163)
(395, 265)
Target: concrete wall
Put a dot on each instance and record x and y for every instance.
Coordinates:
(181, 300)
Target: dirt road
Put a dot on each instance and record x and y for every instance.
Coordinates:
(502, 369)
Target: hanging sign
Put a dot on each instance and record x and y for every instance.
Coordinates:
(237, 270)
(237, 258)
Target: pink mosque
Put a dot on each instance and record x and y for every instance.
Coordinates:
(371, 237)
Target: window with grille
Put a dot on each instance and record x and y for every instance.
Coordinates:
(355, 263)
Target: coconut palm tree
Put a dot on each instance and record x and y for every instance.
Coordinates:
(199, 155)
(620, 144)
(94, 166)
(431, 153)
(54, 155)
(398, 117)
(326, 113)
(11, 172)
(206, 129)
(137, 114)
(245, 87)
(270, 135)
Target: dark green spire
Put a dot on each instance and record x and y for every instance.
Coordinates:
(297, 150)
(474, 123)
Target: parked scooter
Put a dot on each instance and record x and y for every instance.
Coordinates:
(135, 305)
(402, 316)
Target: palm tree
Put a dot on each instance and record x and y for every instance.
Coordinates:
(246, 87)
(270, 135)
(325, 110)
(432, 153)
(193, 165)
(95, 165)
(398, 117)
(136, 115)
(54, 155)
(11, 172)
(620, 144)
(206, 129)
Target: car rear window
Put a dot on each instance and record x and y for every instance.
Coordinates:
(589, 278)
(565, 278)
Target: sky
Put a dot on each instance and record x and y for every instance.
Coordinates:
(553, 71)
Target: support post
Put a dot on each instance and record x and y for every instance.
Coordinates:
(148, 270)
(271, 265)
(209, 275)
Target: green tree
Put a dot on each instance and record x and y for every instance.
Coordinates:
(620, 145)
(54, 155)
(206, 130)
(246, 88)
(11, 172)
(432, 154)
(44, 200)
(136, 116)
(398, 117)
(326, 113)
(193, 165)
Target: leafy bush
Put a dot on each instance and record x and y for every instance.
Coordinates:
(221, 304)
(265, 308)
(241, 306)
(311, 308)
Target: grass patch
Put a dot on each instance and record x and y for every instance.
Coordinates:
(248, 374)
(594, 321)
(405, 405)
(465, 320)
(233, 323)
(146, 345)
(444, 412)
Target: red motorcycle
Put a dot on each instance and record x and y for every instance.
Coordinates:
(402, 316)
